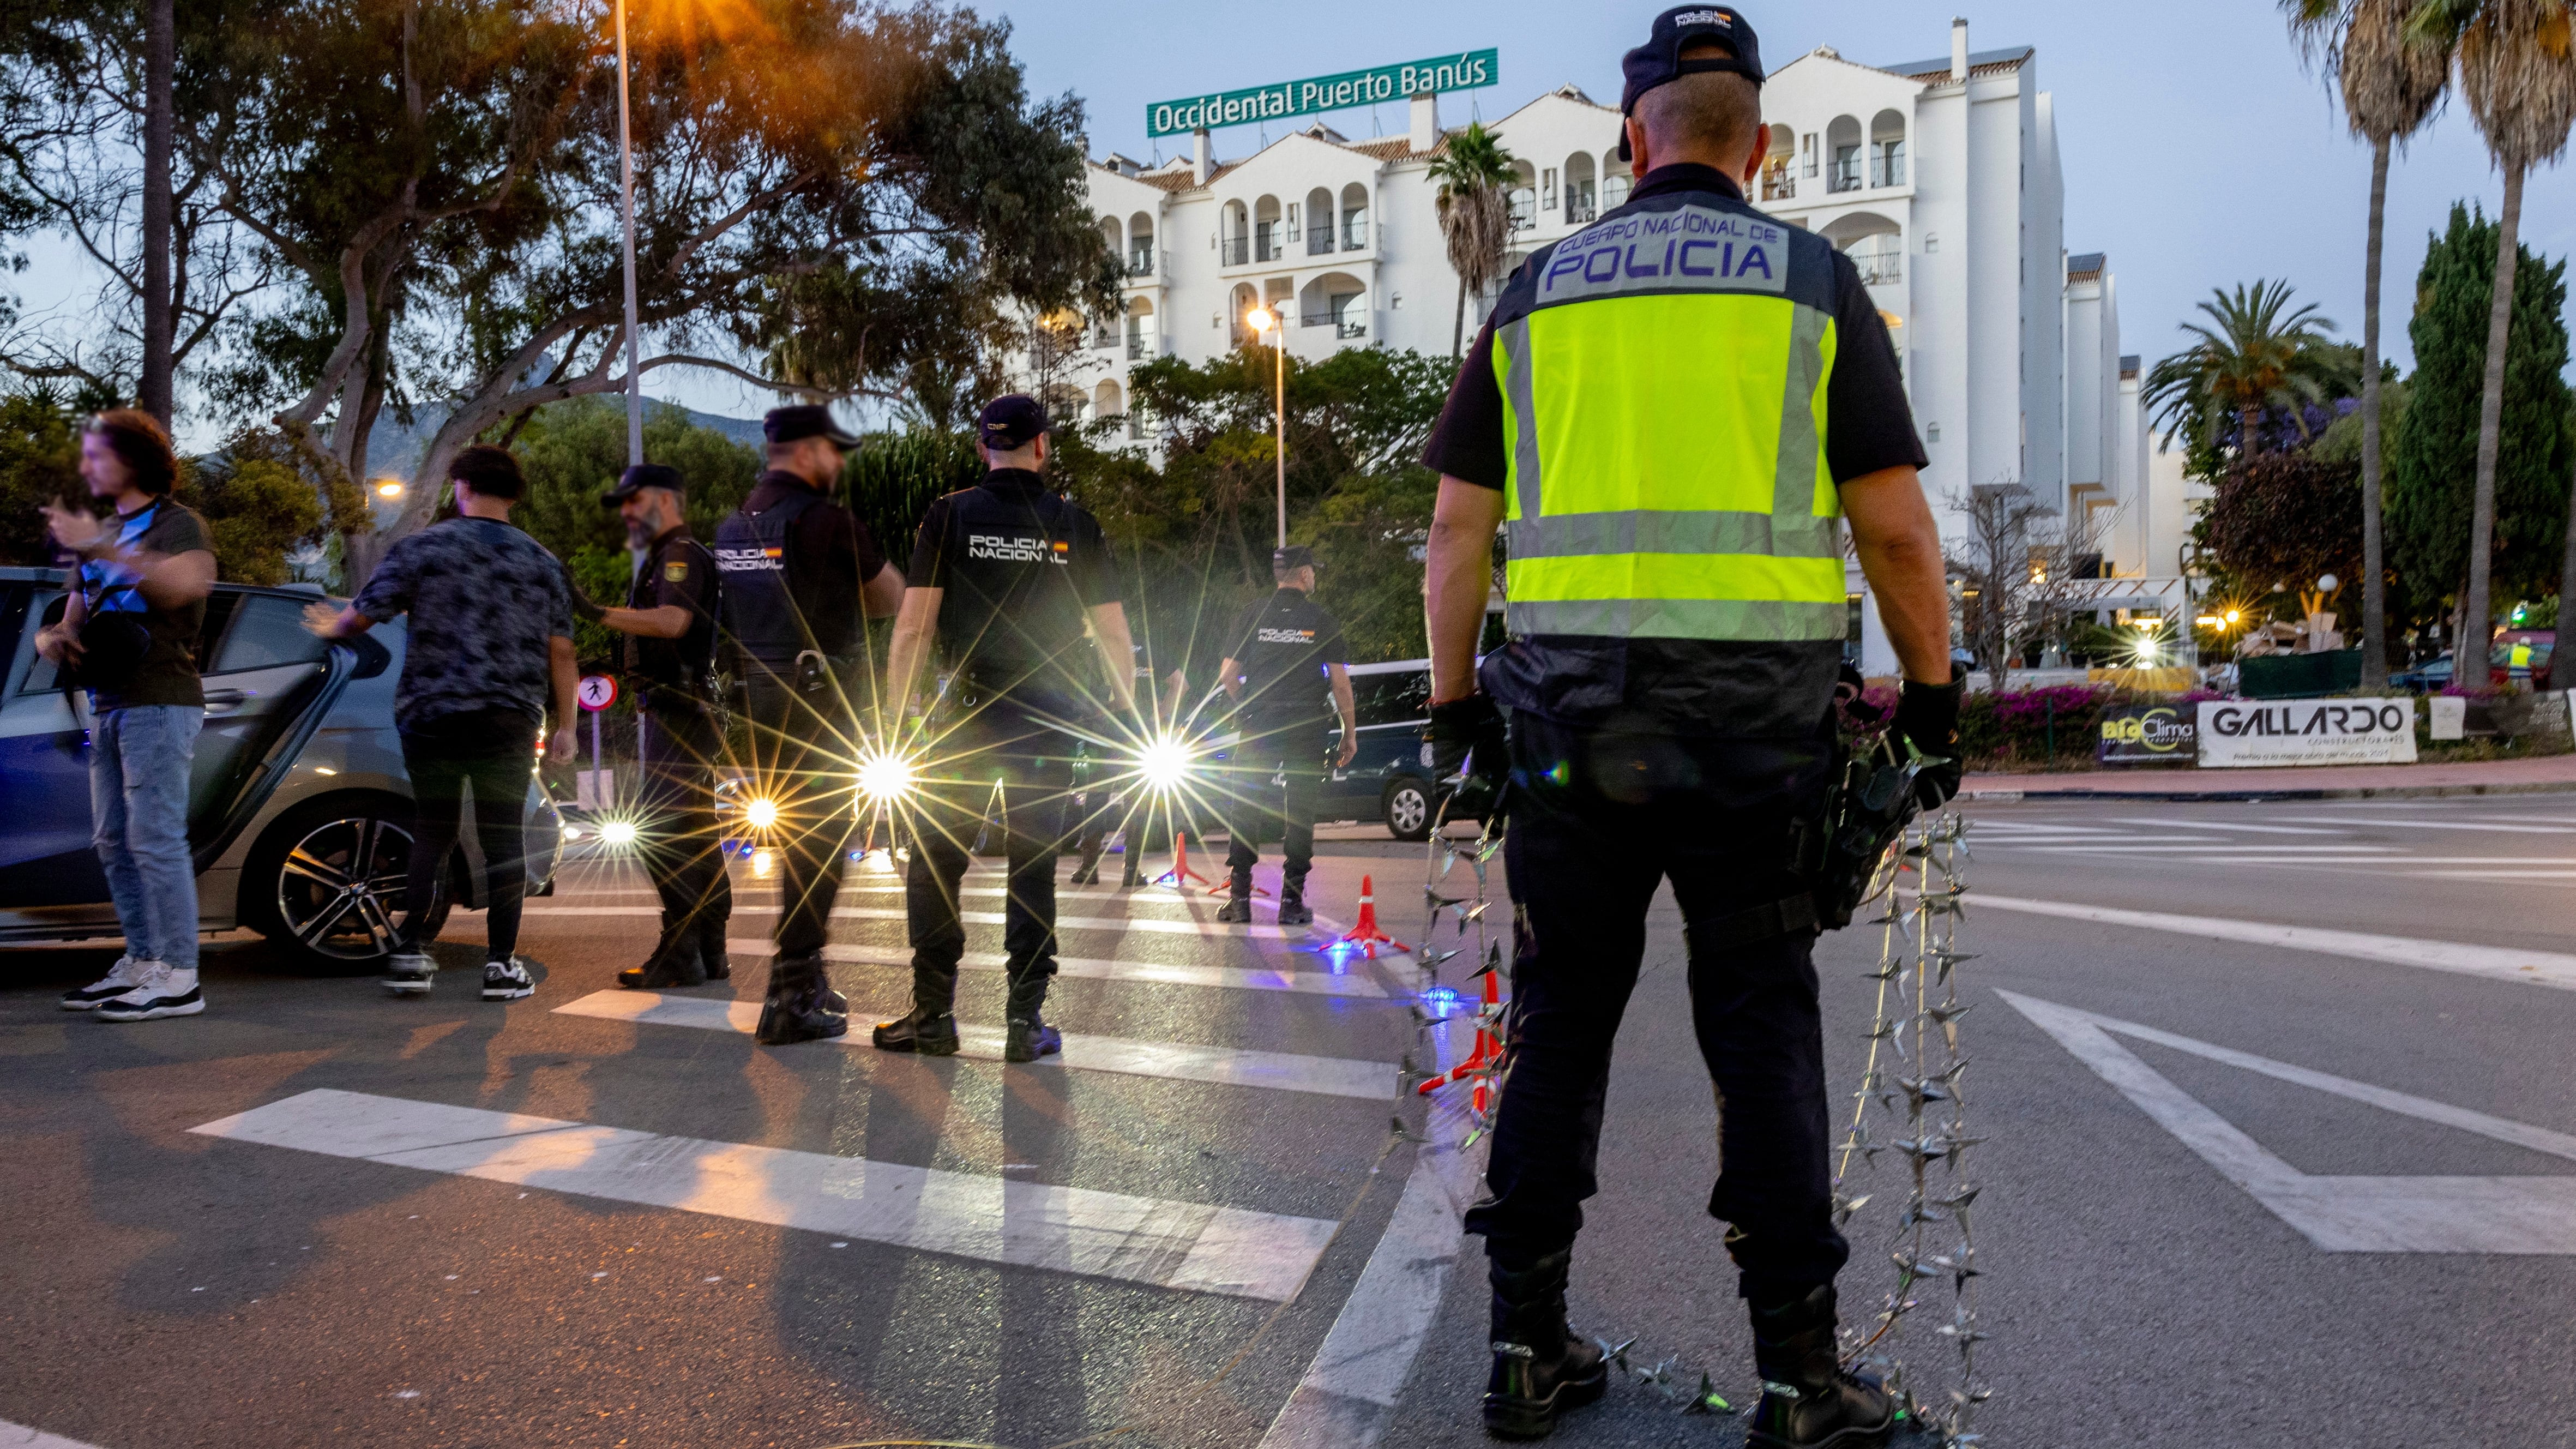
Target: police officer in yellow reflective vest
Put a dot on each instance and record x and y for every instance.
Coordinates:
(1671, 414)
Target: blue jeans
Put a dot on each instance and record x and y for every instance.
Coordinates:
(139, 765)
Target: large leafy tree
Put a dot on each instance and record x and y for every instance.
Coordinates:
(2256, 353)
(2517, 62)
(2391, 80)
(2435, 445)
(1476, 177)
(832, 189)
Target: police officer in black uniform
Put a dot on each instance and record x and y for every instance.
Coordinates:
(800, 578)
(1004, 577)
(1285, 651)
(670, 626)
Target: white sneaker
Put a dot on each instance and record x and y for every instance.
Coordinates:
(507, 980)
(160, 991)
(407, 973)
(120, 979)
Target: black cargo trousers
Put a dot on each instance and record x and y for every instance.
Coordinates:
(1278, 771)
(802, 759)
(681, 840)
(1597, 822)
(1013, 770)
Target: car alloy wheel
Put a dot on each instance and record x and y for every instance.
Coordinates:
(341, 888)
(1408, 810)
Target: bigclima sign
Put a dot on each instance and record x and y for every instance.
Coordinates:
(1323, 93)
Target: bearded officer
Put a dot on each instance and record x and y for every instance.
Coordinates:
(1667, 414)
(800, 576)
(670, 626)
(1006, 575)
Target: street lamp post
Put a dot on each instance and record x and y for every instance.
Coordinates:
(626, 169)
(1266, 321)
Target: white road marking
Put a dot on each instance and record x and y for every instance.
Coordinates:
(1347, 1396)
(19, 1436)
(1230, 978)
(2505, 1215)
(2458, 825)
(988, 918)
(2219, 848)
(2214, 825)
(2499, 963)
(1186, 1246)
(1173, 1061)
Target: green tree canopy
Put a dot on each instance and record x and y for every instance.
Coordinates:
(2434, 444)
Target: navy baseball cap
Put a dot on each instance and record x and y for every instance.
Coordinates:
(1010, 421)
(806, 420)
(1659, 61)
(1294, 556)
(642, 476)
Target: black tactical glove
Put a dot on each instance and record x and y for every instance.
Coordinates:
(582, 605)
(1469, 732)
(1927, 717)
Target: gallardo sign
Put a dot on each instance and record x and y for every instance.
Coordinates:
(2236, 732)
(1324, 93)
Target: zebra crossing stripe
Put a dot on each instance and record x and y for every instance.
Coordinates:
(1173, 1061)
(1191, 1247)
(1229, 978)
(1146, 924)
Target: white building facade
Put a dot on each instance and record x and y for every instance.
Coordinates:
(1941, 178)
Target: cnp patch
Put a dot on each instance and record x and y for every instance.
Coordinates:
(675, 572)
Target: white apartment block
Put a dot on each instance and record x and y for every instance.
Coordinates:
(1940, 177)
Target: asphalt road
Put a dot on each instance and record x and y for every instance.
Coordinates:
(2347, 1220)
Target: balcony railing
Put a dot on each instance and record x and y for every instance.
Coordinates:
(1577, 215)
(1139, 347)
(1319, 242)
(1777, 182)
(1524, 212)
(1268, 249)
(1140, 263)
(1355, 236)
(1879, 266)
(1343, 327)
(1844, 174)
(1235, 251)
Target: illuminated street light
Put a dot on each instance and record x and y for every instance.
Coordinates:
(884, 778)
(389, 488)
(761, 813)
(1267, 322)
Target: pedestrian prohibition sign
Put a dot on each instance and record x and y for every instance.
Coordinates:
(598, 692)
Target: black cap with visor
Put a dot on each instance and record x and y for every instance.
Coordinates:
(1659, 61)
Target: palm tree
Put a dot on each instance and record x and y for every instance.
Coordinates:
(2391, 83)
(2518, 69)
(2259, 355)
(1476, 176)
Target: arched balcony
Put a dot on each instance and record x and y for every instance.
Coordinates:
(1269, 230)
(1355, 218)
(1140, 329)
(1336, 300)
(1140, 245)
(1875, 244)
(1319, 223)
(1581, 197)
(1779, 173)
(1887, 149)
(1238, 332)
(1524, 196)
(1842, 155)
(1234, 235)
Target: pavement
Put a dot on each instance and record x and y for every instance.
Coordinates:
(2543, 774)
(2281, 1150)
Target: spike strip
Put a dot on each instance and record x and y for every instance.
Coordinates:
(1491, 1057)
(1917, 1023)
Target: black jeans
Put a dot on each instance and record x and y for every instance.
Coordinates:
(1597, 822)
(682, 846)
(492, 753)
(1252, 794)
(1034, 766)
(803, 763)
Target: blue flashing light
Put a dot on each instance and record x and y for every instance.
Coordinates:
(1440, 1000)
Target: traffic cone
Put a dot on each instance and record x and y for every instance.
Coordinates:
(1481, 1062)
(1366, 934)
(1180, 875)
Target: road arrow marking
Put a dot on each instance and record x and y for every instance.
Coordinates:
(2506, 1215)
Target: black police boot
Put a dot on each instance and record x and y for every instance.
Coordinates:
(674, 962)
(932, 1034)
(1087, 870)
(1028, 1039)
(1293, 910)
(712, 952)
(1540, 1368)
(1809, 1400)
(796, 1008)
(1238, 906)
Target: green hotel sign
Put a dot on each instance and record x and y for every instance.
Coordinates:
(1464, 71)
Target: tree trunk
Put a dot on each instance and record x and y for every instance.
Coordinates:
(1458, 328)
(2248, 420)
(2469, 654)
(2562, 662)
(2374, 583)
(160, 77)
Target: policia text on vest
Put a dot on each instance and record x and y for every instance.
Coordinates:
(1669, 417)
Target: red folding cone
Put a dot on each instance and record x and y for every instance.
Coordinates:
(1480, 1061)
(1366, 934)
(1180, 875)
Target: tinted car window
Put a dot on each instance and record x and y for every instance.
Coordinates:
(1392, 698)
(41, 673)
(266, 633)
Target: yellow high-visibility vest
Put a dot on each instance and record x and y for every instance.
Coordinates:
(1663, 376)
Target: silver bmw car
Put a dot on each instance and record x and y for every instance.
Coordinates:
(299, 813)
